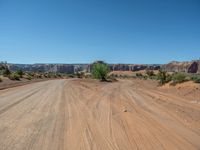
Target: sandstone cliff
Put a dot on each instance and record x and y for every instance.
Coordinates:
(72, 68)
(174, 66)
(186, 66)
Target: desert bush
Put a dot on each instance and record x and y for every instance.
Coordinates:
(111, 78)
(150, 73)
(0, 80)
(20, 73)
(178, 77)
(145, 77)
(2, 67)
(31, 74)
(113, 75)
(168, 78)
(14, 76)
(59, 75)
(88, 75)
(6, 72)
(195, 78)
(100, 71)
(71, 75)
(139, 75)
(80, 74)
(163, 77)
(28, 77)
(125, 76)
(39, 75)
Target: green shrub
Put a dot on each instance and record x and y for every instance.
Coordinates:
(145, 77)
(14, 76)
(0, 80)
(168, 78)
(59, 75)
(28, 77)
(6, 72)
(88, 75)
(111, 78)
(113, 75)
(100, 71)
(178, 77)
(80, 74)
(20, 73)
(30, 74)
(139, 75)
(71, 75)
(150, 73)
(195, 78)
(163, 77)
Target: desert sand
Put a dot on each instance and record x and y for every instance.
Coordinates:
(74, 114)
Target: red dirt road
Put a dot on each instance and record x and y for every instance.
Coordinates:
(89, 115)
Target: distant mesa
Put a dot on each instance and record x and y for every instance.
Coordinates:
(72, 68)
(174, 66)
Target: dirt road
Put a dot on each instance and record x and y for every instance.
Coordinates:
(80, 114)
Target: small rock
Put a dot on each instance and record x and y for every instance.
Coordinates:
(125, 110)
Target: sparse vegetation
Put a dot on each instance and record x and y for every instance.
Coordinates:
(178, 77)
(20, 73)
(28, 77)
(88, 75)
(4, 69)
(150, 73)
(139, 75)
(80, 74)
(71, 76)
(142, 76)
(6, 72)
(163, 77)
(196, 78)
(14, 76)
(100, 71)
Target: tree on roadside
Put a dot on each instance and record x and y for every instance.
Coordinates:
(100, 70)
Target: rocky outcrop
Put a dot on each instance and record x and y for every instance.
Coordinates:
(132, 67)
(187, 66)
(174, 66)
(193, 68)
(61, 68)
(72, 68)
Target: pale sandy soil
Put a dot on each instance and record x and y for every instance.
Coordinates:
(7, 83)
(130, 73)
(86, 114)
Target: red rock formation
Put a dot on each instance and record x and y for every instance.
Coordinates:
(187, 66)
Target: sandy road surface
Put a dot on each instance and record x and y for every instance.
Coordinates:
(88, 115)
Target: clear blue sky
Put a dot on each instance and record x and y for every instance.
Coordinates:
(116, 31)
